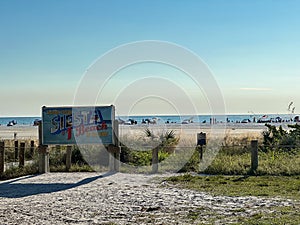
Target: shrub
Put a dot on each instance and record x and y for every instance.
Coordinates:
(278, 139)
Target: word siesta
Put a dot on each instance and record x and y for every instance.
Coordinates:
(81, 121)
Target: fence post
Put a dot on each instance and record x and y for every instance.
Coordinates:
(155, 160)
(2, 156)
(68, 157)
(16, 150)
(114, 149)
(201, 141)
(31, 148)
(254, 155)
(43, 153)
(117, 153)
(22, 155)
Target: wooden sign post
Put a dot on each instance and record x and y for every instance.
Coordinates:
(115, 150)
(43, 152)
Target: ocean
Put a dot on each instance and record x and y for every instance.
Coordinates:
(23, 121)
(28, 121)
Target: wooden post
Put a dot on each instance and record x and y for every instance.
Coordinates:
(43, 153)
(111, 158)
(114, 162)
(254, 155)
(155, 160)
(114, 149)
(201, 153)
(68, 157)
(2, 156)
(201, 140)
(16, 150)
(31, 148)
(117, 151)
(22, 155)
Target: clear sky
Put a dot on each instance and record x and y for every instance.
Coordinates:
(252, 47)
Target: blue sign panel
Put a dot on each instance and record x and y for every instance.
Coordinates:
(78, 125)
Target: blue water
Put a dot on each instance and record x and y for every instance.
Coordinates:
(207, 118)
(28, 121)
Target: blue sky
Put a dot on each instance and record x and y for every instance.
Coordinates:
(252, 47)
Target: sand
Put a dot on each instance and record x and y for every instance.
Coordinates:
(234, 129)
(31, 132)
(94, 198)
(23, 132)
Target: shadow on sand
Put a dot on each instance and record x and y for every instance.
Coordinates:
(10, 189)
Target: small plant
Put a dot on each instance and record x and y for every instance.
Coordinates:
(140, 154)
(148, 133)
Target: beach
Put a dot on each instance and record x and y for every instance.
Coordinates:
(23, 132)
(235, 129)
(31, 132)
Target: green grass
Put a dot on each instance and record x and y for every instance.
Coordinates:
(267, 186)
(276, 215)
(74, 168)
(270, 163)
(280, 215)
(260, 186)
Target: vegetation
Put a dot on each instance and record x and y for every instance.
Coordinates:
(14, 172)
(262, 186)
(279, 154)
(270, 163)
(268, 186)
(141, 154)
(278, 139)
(57, 160)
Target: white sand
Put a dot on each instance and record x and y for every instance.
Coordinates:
(23, 132)
(88, 198)
(218, 130)
(235, 129)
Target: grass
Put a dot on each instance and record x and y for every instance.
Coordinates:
(260, 186)
(267, 186)
(280, 215)
(275, 215)
(15, 172)
(74, 168)
(270, 163)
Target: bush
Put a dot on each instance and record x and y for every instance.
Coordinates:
(142, 155)
(278, 139)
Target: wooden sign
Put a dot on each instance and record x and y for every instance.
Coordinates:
(78, 125)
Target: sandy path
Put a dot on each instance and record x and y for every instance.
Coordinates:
(90, 198)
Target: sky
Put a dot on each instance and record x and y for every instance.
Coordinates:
(252, 48)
